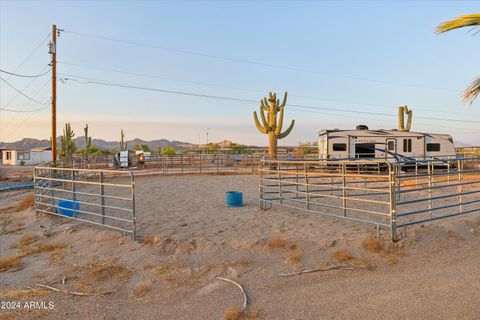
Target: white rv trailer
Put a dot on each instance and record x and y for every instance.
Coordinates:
(384, 144)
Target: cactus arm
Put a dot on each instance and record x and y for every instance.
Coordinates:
(264, 103)
(401, 125)
(284, 134)
(284, 100)
(409, 120)
(264, 120)
(280, 122)
(257, 123)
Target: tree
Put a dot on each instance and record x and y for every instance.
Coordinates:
(270, 125)
(168, 151)
(145, 148)
(67, 143)
(468, 20)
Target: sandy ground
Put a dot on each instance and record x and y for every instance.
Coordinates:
(188, 237)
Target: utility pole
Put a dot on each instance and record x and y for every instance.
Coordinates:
(52, 49)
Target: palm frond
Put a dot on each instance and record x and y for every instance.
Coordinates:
(472, 91)
(468, 20)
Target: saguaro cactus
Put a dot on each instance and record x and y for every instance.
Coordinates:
(401, 112)
(88, 142)
(269, 125)
(68, 145)
(123, 144)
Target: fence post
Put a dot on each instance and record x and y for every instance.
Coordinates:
(429, 172)
(307, 195)
(102, 195)
(260, 185)
(182, 162)
(460, 180)
(344, 189)
(134, 218)
(393, 211)
(74, 193)
(279, 182)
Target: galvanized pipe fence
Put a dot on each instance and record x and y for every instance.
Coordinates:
(387, 194)
(179, 164)
(101, 197)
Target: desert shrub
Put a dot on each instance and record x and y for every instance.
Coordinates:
(10, 262)
(27, 202)
(276, 242)
(372, 244)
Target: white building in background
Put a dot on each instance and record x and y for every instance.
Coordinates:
(34, 156)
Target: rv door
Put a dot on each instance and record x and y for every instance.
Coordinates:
(390, 149)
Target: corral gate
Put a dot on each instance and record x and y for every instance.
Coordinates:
(101, 197)
(383, 193)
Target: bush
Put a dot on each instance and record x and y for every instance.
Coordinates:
(168, 151)
(22, 163)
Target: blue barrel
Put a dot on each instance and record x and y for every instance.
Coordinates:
(65, 207)
(233, 199)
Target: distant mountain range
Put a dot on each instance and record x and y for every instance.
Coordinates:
(30, 143)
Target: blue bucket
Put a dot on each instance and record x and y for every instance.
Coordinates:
(233, 199)
(65, 207)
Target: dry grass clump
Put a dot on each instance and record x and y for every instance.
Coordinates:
(389, 251)
(41, 247)
(294, 255)
(234, 313)
(22, 293)
(151, 240)
(346, 257)
(179, 273)
(57, 255)
(10, 263)
(27, 202)
(25, 240)
(276, 242)
(9, 227)
(141, 291)
(168, 266)
(372, 244)
(109, 270)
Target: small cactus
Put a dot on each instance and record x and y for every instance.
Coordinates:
(401, 124)
(123, 144)
(88, 142)
(68, 145)
(270, 125)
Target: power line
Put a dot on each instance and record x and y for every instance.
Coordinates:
(23, 94)
(32, 53)
(185, 93)
(20, 124)
(26, 111)
(245, 61)
(25, 76)
(224, 86)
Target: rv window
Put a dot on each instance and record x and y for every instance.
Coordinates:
(407, 145)
(9, 155)
(339, 147)
(433, 147)
(391, 145)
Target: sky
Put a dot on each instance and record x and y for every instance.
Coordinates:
(343, 63)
